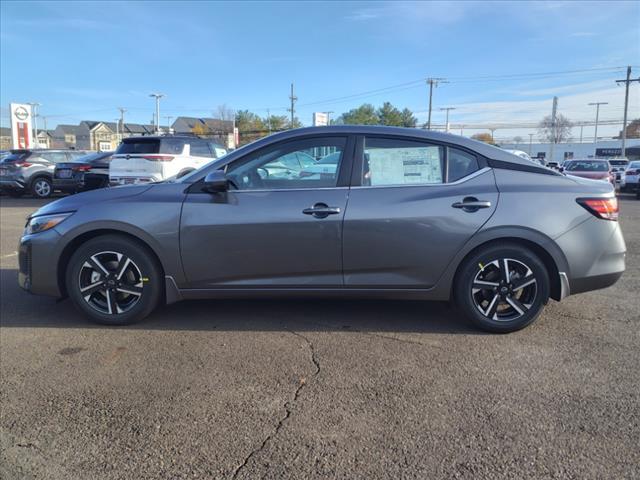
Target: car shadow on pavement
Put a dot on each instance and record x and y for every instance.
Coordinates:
(20, 309)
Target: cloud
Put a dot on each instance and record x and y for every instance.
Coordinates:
(582, 34)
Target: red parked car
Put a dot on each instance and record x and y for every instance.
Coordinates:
(593, 169)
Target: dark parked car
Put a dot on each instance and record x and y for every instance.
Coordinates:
(85, 173)
(407, 214)
(31, 171)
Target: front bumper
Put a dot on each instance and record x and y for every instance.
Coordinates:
(38, 257)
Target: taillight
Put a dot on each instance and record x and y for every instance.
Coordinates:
(82, 168)
(23, 164)
(605, 208)
(158, 158)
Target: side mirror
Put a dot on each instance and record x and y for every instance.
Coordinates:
(216, 182)
(561, 169)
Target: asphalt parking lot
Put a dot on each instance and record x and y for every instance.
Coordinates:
(318, 389)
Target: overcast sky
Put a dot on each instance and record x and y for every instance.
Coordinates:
(83, 60)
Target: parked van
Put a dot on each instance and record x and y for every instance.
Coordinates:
(151, 159)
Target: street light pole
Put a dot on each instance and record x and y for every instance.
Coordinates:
(530, 142)
(597, 105)
(168, 117)
(446, 124)
(157, 96)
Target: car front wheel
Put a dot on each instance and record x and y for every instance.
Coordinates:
(502, 288)
(114, 280)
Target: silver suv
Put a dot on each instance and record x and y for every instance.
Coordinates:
(31, 171)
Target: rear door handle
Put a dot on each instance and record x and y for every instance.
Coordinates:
(321, 210)
(472, 204)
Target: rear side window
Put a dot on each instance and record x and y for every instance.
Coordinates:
(54, 157)
(173, 146)
(217, 150)
(460, 164)
(389, 162)
(201, 149)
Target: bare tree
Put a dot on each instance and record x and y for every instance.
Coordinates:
(561, 132)
(517, 139)
(225, 113)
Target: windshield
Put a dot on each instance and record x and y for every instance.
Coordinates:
(618, 163)
(634, 165)
(587, 166)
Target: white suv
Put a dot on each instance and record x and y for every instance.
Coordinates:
(151, 159)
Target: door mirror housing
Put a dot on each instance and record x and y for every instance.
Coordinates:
(216, 182)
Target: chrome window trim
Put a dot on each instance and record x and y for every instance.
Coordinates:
(287, 189)
(477, 173)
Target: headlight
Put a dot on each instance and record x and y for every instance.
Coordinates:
(44, 222)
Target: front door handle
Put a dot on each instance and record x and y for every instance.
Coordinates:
(472, 204)
(321, 210)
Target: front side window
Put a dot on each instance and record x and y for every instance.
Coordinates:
(389, 162)
(287, 165)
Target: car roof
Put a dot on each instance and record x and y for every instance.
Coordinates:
(482, 148)
(160, 137)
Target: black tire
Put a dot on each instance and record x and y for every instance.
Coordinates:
(520, 307)
(142, 274)
(41, 187)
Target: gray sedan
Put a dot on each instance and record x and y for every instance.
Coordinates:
(406, 214)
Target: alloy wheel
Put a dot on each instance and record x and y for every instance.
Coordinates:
(110, 282)
(42, 188)
(504, 290)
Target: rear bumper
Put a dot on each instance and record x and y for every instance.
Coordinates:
(67, 185)
(11, 184)
(596, 252)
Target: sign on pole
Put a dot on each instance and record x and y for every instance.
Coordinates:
(21, 126)
(320, 119)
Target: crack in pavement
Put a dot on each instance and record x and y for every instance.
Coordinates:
(287, 407)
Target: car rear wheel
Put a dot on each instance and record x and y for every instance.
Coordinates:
(502, 288)
(114, 280)
(41, 187)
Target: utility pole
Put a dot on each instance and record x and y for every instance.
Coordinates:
(293, 100)
(597, 105)
(554, 112)
(581, 127)
(432, 82)
(34, 112)
(157, 96)
(120, 130)
(627, 82)
(269, 120)
(446, 123)
(530, 142)
(329, 117)
(493, 129)
(168, 117)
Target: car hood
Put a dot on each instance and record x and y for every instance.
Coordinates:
(74, 202)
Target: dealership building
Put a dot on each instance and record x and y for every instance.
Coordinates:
(565, 151)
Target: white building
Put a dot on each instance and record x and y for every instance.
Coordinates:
(563, 151)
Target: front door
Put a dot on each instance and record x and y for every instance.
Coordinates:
(412, 207)
(279, 225)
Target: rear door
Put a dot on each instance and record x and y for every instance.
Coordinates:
(407, 216)
(269, 230)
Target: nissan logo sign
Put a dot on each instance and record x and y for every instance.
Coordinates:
(21, 113)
